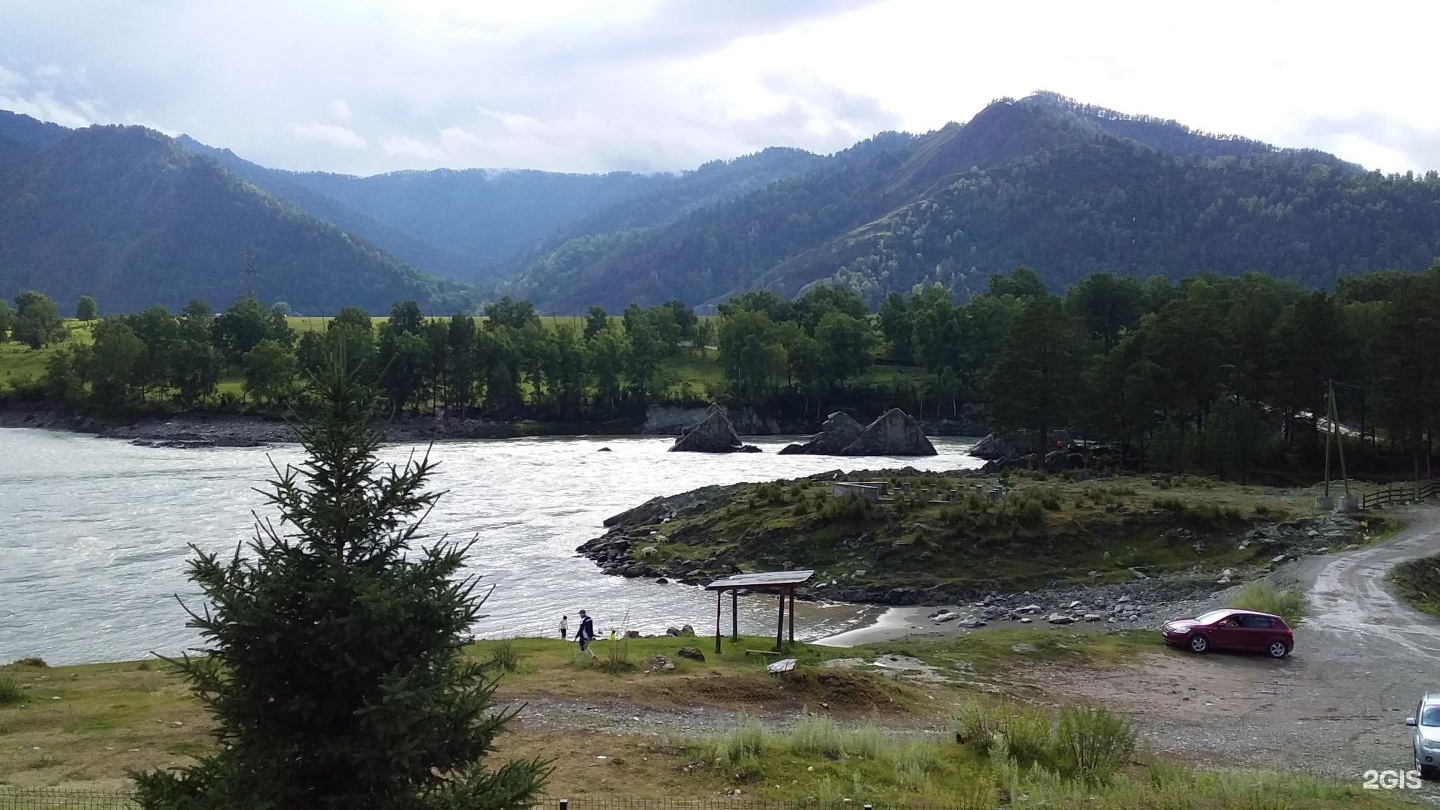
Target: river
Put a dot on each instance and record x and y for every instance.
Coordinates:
(96, 533)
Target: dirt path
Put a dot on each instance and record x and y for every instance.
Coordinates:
(1337, 706)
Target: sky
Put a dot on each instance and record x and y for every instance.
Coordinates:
(370, 86)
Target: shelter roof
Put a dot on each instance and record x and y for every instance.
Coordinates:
(764, 579)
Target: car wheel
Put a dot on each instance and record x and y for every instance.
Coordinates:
(1277, 649)
(1426, 772)
(1199, 643)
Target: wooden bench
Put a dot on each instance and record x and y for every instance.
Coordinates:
(762, 652)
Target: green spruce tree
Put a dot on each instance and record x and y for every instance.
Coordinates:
(329, 660)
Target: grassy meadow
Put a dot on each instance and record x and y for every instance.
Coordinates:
(972, 738)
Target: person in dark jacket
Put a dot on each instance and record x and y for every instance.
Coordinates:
(585, 634)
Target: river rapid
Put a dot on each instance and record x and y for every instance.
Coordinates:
(96, 533)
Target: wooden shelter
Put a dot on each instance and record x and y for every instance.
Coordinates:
(782, 583)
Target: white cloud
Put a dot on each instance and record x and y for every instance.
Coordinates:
(44, 107)
(408, 147)
(665, 84)
(9, 79)
(328, 134)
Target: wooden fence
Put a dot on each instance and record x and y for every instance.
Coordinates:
(1400, 493)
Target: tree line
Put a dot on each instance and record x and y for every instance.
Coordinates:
(1213, 374)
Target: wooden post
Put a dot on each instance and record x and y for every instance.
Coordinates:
(780, 627)
(792, 615)
(719, 595)
(735, 616)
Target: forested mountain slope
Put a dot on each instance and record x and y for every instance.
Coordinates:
(1062, 187)
(125, 214)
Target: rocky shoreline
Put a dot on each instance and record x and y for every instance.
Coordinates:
(202, 430)
(199, 429)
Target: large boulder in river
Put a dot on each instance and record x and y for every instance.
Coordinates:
(893, 433)
(714, 434)
(839, 432)
(993, 448)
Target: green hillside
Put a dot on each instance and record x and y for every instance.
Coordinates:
(126, 215)
(1042, 182)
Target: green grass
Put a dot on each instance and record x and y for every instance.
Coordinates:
(1041, 531)
(1262, 596)
(23, 367)
(84, 725)
(1015, 757)
(10, 690)
(1418, 583)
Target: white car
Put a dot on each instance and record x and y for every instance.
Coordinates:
(1426, 742)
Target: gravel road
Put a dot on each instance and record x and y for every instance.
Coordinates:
(1336, 706)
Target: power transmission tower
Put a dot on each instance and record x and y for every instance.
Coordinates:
(249, 272)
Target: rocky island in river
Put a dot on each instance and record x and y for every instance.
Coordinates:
(905, 537)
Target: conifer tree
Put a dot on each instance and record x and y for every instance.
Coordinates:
(329, 659)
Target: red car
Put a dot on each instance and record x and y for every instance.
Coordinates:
(1231, 629)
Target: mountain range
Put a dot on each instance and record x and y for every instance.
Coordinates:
(135, 218)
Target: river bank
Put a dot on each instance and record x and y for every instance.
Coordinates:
(217, 429)
(202, 429)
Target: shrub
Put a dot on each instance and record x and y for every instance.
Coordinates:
(747, 741)
(866, 741)
(849, 507)
(38, 663)
(1091, 744)
(1049, 500)
(1263, 596)
(10, 691)
(816, 734)
(978, 725)
(504, 657)
(1027, 734)
(1031, 514)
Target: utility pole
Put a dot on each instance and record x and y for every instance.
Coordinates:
(1333, 415)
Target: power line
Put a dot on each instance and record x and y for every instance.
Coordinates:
(1384, 393)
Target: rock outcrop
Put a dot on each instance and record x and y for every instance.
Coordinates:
(893, 433)
(714, 434)
(839, 431)
(993, 448)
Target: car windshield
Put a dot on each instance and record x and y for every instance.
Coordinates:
(1213, 616)
(1431, 716)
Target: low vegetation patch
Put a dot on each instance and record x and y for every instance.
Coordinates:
(1004, 754)
(1418, 582)
(1263, 596)
(10, 691)
(960, 533)
(1087, 744)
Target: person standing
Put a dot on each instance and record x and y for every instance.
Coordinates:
(585, 634)
(564, 626)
